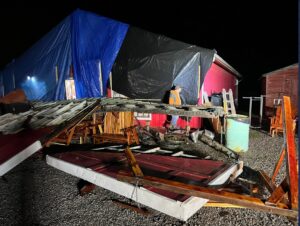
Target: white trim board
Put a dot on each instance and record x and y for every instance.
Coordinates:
(20, 157)
(180, 210)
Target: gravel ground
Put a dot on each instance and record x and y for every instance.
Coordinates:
(37, 194)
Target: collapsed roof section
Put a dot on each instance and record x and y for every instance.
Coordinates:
(33, 129)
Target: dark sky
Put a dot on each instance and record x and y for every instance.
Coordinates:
(253, 38)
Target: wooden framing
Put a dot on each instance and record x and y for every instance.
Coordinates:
(209, 193)
(277, 203)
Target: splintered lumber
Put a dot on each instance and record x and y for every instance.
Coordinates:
(278, 165)
(207, 193)
(133, 163)
(114, 122)
(129, 135)
(278, 194)
(70, 123)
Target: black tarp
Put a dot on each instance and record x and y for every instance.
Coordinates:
(148, 65)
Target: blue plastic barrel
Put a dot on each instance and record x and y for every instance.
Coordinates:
(237, 133)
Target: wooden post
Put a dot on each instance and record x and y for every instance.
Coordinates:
(110, 84)
(100, 78)
(133, 163)
(199, 81)
(292, 172)
(209, 193)
(3, 90)
(250, 110)
(70, 135)
(14, 81)
(56, 74)
(278, 164)
(261, 109)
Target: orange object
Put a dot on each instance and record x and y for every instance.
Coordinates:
(174, 97)
(17, 96)
(276, 124)
(276, 121)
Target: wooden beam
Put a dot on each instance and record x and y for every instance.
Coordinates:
(221, 205)
(74, 121)
(199, 82)
(208, 193)
(267, 181)
(133, 163)
(291, 152)
(278, 165)
(70, 136)
(278, 194)
(273, 189)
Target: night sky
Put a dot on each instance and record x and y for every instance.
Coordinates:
(253, 38)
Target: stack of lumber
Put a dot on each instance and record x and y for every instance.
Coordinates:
(114, 122)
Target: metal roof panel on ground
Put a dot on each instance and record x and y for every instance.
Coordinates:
(25, 133)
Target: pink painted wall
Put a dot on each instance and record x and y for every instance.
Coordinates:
(218, 78)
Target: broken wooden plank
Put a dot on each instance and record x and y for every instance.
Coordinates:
(267, 181)
(221, 205)
(133, 163)
(278, 165)
(208, 193)
(278, 194)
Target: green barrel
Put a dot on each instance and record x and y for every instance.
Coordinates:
(237, 133)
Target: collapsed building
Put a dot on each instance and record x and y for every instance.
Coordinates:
(87, 58)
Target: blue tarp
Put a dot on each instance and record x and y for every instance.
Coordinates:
(34, 71)
(82, 39)
(94, 39)
(144, 64)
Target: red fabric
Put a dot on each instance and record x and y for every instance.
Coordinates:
(12, 144)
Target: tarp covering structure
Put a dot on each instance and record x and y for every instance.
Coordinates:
(148, 65)
(83, 40)
(94, 39)
(144, 65)
(34, 71)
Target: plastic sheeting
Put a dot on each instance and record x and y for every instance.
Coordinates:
(95, 39)
(148, 65)
(82, 39)
(35, 72)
